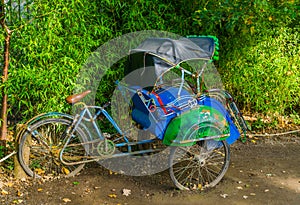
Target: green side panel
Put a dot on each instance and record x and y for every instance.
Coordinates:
(197, 123)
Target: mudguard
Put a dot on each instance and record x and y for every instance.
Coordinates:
(195, 125)
(26, 127)
(234, 132)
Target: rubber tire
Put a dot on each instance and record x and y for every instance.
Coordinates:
(34, 127)
(218, 178)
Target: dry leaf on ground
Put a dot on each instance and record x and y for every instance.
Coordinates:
(126, 192)
(66, 200)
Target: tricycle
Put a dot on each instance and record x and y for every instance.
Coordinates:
(170, 108)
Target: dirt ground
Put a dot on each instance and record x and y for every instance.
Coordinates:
(267, 172)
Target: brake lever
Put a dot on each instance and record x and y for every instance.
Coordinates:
(106, 105)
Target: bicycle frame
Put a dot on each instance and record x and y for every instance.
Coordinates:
(85, 116)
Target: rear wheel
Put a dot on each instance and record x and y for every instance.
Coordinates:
(199, 166)
(41, 144)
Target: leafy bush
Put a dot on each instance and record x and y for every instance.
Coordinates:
(267, 78)
(259, 53)
(47, 53)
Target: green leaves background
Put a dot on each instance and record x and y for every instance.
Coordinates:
(259, 47)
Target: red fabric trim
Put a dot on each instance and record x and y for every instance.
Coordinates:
(160, 102)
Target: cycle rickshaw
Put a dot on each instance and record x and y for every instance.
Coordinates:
(166, 94)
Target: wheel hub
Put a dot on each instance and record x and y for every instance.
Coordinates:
(201, 158)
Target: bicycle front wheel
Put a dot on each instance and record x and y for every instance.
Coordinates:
(40, 146)
(199, 166)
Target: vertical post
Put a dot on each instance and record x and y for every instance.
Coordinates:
(19, 173)
(3, 131)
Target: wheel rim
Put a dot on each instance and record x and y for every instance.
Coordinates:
(199, 166)
(43, 145)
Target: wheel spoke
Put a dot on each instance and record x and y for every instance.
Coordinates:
(39, 149)
(202, 165)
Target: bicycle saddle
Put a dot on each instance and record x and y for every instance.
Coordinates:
(77, 97)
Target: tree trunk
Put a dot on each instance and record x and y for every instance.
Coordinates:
(3, 131)
(4, 79)
(19, 173)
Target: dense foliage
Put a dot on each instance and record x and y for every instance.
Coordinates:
(259, 55)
